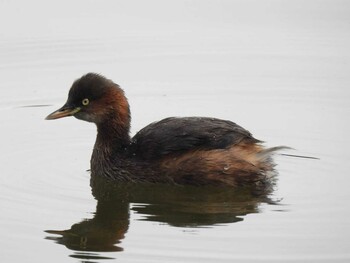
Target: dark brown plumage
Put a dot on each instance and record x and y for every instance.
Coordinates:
(192, 150)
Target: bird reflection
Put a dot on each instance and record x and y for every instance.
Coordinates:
(179, 206)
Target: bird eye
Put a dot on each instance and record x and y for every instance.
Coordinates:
(85, 102)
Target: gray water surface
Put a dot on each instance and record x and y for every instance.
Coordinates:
(278, 68)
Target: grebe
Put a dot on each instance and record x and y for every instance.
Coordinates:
(187, 150)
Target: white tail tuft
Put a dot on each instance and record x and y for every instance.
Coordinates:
(267, 153)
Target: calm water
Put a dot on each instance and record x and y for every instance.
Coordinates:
(278, 68)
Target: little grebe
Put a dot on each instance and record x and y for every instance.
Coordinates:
(191, 150)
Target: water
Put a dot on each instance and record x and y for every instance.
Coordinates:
(278, 68)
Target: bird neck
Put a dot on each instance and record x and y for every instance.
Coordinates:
(113, 139)
(110, 148)
(114, 127)
(113, 135)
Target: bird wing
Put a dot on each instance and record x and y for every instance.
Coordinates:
(177, 135)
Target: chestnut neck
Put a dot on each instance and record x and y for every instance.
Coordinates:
(113, 126)
(110, 155)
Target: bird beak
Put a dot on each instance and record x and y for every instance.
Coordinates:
(65, 111)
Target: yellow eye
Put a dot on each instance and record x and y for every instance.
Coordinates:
(85, 102)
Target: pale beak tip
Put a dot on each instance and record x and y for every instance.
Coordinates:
(62, 112)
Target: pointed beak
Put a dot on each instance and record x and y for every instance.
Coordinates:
(65, 111)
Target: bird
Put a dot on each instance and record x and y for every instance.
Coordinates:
(176, 150)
